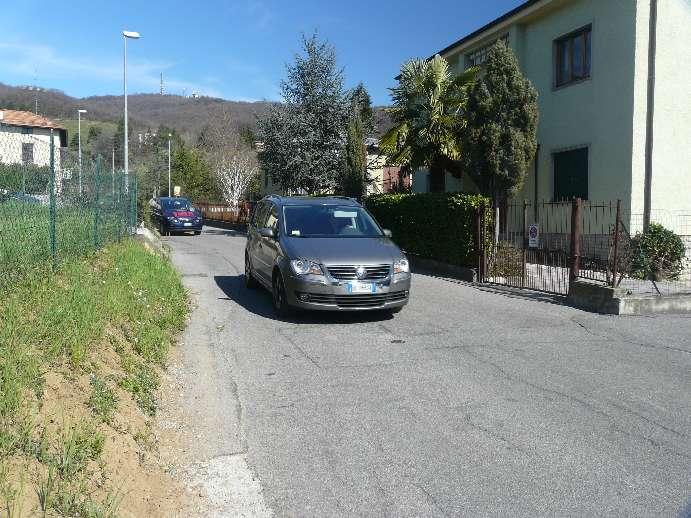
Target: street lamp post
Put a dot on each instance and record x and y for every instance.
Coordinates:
(169, 135)
(79, 140)
(127, 35)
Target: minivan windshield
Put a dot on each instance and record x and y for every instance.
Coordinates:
(176, 204)
(328, 221)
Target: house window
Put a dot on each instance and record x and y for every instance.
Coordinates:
(572, 57)
(27, 131)
(27, 154)
(571, 174)
(479, 56)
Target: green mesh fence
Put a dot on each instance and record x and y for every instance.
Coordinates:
(53, 206)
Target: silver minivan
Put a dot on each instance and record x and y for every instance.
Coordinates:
(324, 253)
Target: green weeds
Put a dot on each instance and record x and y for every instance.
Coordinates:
(122, 299)
(103, 400)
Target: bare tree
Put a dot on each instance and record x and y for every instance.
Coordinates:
(235, 177)
(232, 159)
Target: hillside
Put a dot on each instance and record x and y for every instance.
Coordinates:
(187, 115)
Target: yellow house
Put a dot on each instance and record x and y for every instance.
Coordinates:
(613, 78)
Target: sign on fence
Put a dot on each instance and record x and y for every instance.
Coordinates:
(533, 235)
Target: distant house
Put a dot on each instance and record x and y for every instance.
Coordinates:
(382, 177)
(613, 79)
(25, 138)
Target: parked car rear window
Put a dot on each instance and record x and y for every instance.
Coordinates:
(177, 204)
(328, 221)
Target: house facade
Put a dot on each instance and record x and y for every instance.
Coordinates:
(613, 79)
(381, 176)
(25, 139)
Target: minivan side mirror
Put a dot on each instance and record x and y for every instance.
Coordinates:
(267, 232)
(387, 232)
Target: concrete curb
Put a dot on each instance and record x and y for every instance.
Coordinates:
(595, 297)
(430, 266)
(152, 241)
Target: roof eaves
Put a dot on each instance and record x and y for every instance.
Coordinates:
(513, 12)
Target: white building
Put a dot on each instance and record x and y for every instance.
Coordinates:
(613, 78)
(25, 138)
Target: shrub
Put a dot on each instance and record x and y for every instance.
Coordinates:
(507, 261)
(25, 178)
(439, 226)
(657, 254)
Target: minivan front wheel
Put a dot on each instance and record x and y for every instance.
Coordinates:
(280, 299)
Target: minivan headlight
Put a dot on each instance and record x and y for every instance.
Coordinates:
(401, 266)
(306, 267)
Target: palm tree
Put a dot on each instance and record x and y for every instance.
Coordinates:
(427, 111)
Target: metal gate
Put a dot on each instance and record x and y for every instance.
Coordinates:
(544, 247)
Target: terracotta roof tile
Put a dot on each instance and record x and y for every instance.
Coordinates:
(22, 118)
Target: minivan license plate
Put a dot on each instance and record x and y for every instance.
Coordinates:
(187, 224)
(360, 287)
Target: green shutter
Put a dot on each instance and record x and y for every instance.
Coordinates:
(571, 174)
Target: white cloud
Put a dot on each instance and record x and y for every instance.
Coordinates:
(259, 13)
(28, 60)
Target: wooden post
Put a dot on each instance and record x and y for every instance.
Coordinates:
(617, 226)
(576, 232)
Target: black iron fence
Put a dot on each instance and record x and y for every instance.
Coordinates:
(547, 246)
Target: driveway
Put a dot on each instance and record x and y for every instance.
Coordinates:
(470, 402)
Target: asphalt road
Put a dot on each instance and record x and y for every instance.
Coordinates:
(470, 402)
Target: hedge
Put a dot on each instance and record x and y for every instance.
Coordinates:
(440, 226)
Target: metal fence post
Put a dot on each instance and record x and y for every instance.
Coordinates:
(53, 212)
(133, 205)
(97, 188)
(525, 244)
(576, 232)
(117, 207)
(617, 226)
(480, 237)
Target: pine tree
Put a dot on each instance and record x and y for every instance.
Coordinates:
(499, 139)
(354, 180)
(304, 138)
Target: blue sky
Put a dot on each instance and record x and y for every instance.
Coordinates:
(231, 49)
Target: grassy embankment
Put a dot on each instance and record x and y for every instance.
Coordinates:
(80, 358)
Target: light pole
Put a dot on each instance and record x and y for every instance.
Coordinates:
(79, 139)
(169, 135)
(127, 35)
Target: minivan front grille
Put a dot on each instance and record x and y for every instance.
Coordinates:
(349, 272)
(358, 301)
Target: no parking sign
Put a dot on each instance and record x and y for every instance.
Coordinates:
(533, 235)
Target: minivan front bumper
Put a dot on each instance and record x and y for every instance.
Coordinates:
(319, 293)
